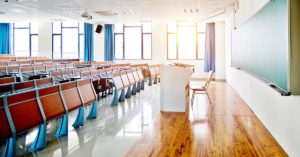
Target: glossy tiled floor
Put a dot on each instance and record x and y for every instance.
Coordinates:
(136, 127)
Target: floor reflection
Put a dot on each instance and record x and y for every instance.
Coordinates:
(112, 134)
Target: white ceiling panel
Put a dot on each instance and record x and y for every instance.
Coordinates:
(127, 10)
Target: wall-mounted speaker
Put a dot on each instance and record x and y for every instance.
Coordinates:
(99, 29)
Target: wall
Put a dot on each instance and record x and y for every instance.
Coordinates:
(45, 39)
(247, 8)
(279, 114)
(98, 44)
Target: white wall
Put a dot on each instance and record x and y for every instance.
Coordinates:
(247, 8)
(99, 44)
(45, 39)
(279, 114)
(220, 51)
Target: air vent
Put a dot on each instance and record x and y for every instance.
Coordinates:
(107, 13)
(2, 13)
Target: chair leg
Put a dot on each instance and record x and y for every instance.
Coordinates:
(193, 97)
(208, 98)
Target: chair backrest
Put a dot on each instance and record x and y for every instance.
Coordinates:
(130, 76)
(28, 69)
(125, 79)
(135, 74)
(71, 95)
(152, 71)
(24, 86)
(85, 74)
(140, 74)
(70, 66)
(13, 63)
(118, 80)
(210, 74)
(95, 74)
(87, 91)
(60, 67)
(6, 80)
(109, 72)
(67, 74)
(44, 82)
(50, 68)
(5, 130)
(39, 69)
(157, 69)
(24, 110)
(51, 101)
(3, 71)
(115, 68)
(77, 72)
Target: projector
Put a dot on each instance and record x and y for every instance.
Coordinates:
(87, 16)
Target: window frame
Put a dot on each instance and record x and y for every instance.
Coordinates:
(177, 39)
(142, 41)
(61, 39)
(29, 34)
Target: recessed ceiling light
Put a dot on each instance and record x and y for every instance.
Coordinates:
(195, 10)
(107, 13)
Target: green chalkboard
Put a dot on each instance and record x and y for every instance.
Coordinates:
(260, 46)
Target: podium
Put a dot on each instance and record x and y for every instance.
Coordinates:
(174, 92)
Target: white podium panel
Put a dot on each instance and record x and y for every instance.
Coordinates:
(173, 88)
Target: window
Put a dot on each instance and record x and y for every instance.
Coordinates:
(133, 41)
(25, 39)
(68, 40)
(186, 41)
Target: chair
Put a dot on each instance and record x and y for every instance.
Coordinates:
(201, 89)
(6, 80)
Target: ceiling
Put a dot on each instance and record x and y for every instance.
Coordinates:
(114, 11)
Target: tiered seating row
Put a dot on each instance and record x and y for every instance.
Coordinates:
(22, 109)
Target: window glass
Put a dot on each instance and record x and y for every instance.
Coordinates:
(68, 40)
(21, 42)
(186, 41)
(133, 46)
(119, 46)
(56, 47)
(147, 46)
(172, 48)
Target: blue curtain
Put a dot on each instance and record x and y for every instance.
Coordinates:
(209, 59)
(4, 38)
(88, 42)
(109, 54)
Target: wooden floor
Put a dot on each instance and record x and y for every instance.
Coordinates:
(227, 129)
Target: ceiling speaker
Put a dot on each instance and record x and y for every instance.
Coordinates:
(99, 29)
